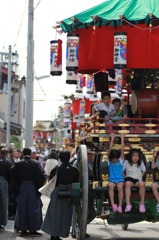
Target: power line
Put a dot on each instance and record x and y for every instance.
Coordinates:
(21, 23)
(37, 5)
(40, 87)
(39, 84)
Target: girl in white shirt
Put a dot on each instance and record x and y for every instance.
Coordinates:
(135, 170)
(50, 163)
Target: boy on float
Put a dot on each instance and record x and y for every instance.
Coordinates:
(104, 106)
(118, 112)
(155, 185)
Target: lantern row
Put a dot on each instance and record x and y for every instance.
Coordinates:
(72, 53)
(76, 109)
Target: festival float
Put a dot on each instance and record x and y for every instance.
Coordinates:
(116, 45)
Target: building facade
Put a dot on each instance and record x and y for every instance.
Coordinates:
(18, 99)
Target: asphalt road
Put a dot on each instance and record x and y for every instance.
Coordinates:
(97, 230)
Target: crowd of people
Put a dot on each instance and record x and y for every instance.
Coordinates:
(21, 176)
(22, 173)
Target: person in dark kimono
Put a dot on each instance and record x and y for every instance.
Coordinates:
(5, 166)
(12, 201)
(57, 221)
(27, 177)
(13, 155)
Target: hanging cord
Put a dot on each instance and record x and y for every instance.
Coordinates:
(144, 29)
(94, 26)
(21, 23)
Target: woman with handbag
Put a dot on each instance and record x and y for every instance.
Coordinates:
(58, 218)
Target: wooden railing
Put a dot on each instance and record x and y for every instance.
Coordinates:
(144, 126)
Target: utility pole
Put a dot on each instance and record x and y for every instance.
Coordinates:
(9, 95)
(8, 59)
(29, 78)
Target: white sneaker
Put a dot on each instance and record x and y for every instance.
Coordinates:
(157, 207)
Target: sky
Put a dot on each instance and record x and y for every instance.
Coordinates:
(13, 25)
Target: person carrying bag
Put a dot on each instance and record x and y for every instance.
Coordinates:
(47, 189)
(58, 217)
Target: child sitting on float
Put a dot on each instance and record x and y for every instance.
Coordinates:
(118, 112)
(115, 173)
(105, 108)
(134, 170)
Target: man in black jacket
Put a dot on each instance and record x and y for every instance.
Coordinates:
(27, 178)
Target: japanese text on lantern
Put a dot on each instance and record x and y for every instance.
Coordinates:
(120, 49)
(55, 69)
(72, 52)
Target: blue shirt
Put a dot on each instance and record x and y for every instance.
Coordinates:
(115, 171)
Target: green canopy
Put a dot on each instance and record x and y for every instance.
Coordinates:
(106, 12)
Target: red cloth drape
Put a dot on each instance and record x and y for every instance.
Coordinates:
(74, 125)
(59, 56)
(88, 105)
(75, 106)
(142, 48)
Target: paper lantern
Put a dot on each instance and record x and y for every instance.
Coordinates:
(67, 111)
(71, 77)
(120, 50)
(72, 52)
(90, 84)
(56, 58)
(80, 84)
(82, 109)
(119, 78)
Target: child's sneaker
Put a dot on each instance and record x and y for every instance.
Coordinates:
(128, 208)
(115, 208)
(142, 208)
(157, 207)
(119, 209)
